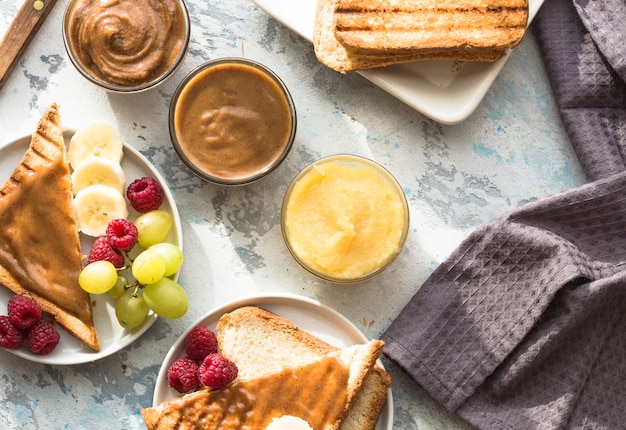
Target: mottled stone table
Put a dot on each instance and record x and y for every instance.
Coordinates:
(512, 150)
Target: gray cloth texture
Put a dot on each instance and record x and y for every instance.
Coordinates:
(587, 70)
(523, 326)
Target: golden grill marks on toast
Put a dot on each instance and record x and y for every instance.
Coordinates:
(353, 35)
(330, 52)
(402, 26)
(319, 391)
(261, 342)
(40, 253)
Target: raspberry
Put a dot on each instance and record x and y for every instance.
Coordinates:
(122, 234)
(23, 311)
(216, 371)
(43, 337)
(145, 194)
(102, 250)
(200, 343)
(183, 375)
(11, 337)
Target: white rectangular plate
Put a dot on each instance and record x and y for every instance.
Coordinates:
(442, 90)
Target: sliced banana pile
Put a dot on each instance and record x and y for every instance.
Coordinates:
(98, 181)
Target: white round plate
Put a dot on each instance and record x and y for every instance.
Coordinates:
(306, 313)
(111, 335)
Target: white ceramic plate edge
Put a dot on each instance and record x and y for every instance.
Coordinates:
(449, 103)
(71, 351)
(303, 312)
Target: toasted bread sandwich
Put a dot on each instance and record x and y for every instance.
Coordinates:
(40, 253)
(359, 34)
(333, 54)
(261, 342)
(319, 391)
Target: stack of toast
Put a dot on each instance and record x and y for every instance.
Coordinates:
(287, 372)
(358, 34)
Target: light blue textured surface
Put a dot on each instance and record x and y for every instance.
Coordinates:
(512, 150)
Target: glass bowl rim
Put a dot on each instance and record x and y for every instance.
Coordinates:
(384, 173)
(128, 89)
(244, 180)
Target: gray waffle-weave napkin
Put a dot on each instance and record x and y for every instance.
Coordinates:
(585, 57)
(524, 325)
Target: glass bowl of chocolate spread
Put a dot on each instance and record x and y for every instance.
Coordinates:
(126, 46)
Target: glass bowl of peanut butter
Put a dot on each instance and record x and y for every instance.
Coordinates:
(345, 218)
(126, 46)
(232, 121)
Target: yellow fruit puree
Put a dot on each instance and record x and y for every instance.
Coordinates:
(345, 218)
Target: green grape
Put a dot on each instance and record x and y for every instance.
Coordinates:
(148, 267)
(166, 298)
(172, 254)
(153, 227)
(98, 277)
(119, 288)
(130, 310)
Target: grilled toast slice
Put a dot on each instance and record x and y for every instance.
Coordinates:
(383, 26)
(40, 253)
(319, 391)
(262, 342)
(348, 35)
(330, 52)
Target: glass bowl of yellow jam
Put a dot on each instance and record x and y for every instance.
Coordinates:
(344, 218)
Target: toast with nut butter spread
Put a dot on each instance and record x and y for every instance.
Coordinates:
(320, 392)
(40, 253)
(260, 342)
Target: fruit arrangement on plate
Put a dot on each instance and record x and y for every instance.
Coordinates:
(75, 231)
(129, 259)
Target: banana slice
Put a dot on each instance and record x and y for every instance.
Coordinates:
(96, 206)
(99, 139)
(98, 170)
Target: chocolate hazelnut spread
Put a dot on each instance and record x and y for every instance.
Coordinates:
(232, 121)
(126, 42)
(316, 393)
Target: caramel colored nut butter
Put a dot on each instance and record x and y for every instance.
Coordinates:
(28, 226)
(315, 392)
(232, 121)
(345, 219)
(126, 42)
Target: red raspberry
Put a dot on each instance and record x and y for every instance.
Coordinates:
(200, 342)
(145, 194)
(102, 250)
(23, 311)
(11, 337)
(43, 337)
(216, 371)
(122, 234)
(183, 375)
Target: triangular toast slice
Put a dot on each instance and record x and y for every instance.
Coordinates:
(40, 253)
(320, 392)
(262, 342)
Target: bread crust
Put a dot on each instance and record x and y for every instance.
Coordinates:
(47, 146)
